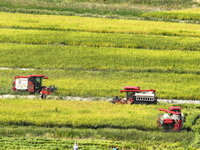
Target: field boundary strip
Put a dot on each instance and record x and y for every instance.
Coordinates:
(72, 98)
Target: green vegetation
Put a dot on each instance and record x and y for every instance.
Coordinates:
(129, 9)
(78, 82)
(79, 114)
(99, 58)
(93, 56)
(109, 131)
(86, 52)
(187, 15)
(76, 114)
(98, 25)
(89, 139)
(91, 39)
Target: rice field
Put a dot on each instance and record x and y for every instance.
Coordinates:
(45, 124)
(99, 25)
(91, 39)
(99, 58)
(104, 54)
(85, 56)
(77, 82)
(91, 115)
(187, 15)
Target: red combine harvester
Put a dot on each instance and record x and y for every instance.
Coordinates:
(136, 96)
(172, 121)
(33, 84)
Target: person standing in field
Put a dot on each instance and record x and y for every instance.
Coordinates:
(75, 146)
(114, 148)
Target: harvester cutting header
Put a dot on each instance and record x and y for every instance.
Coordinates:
(134, 95)
(33, 84)
(172, 120)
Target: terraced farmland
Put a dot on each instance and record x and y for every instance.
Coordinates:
(87, 44)
(87, 56)
(143, 53)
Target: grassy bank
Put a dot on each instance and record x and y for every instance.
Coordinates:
(130, 9)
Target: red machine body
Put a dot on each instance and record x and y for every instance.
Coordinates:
(172, 121)
(134, 95)
(32, 84)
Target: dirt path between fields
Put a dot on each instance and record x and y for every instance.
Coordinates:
(50, 97)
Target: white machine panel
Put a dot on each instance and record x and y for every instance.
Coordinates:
(144, 96)
(21, 83)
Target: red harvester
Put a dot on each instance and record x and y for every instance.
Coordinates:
(33, 84)
(172, 120)
(136, 96)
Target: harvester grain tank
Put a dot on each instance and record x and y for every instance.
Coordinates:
(134, 95)
(172, 120)
(33, 84)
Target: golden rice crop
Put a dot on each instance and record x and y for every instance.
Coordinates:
(91, 39)
(51, 22)
(66, 57)
(108, 83)
(188, 10)
(76, 114)
(191, 14)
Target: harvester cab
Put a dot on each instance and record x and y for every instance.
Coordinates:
(172, 120)
(32, 84)
(136, 96)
